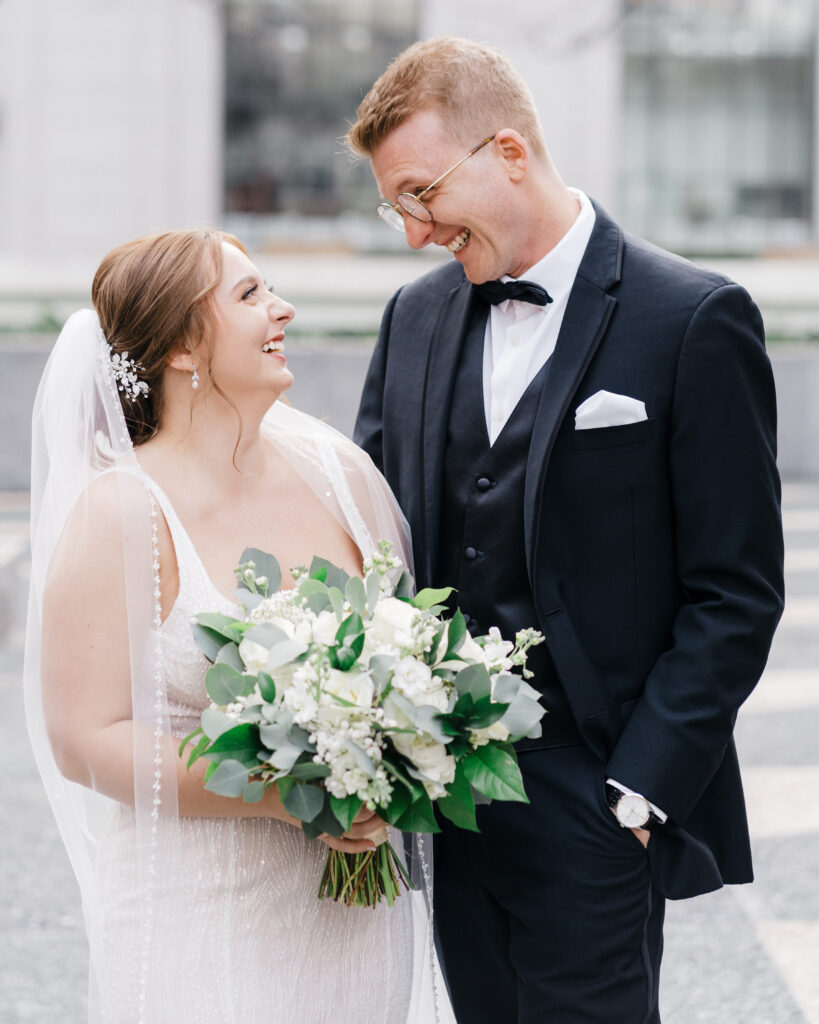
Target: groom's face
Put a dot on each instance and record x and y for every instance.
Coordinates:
(469, 206)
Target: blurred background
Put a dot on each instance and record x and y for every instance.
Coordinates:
(695, 123)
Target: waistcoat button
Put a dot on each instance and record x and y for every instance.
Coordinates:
(471, 553)
(484, 483)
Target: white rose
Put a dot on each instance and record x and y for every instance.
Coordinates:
(392, 623)
(496, 731)
(253, 655)
(430, 758)
(325, 627)
(354, 687)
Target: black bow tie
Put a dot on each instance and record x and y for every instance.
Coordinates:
(523, 291)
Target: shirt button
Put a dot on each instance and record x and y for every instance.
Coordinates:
(484, 483)
(471, 553)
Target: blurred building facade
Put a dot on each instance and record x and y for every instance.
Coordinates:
(693, 121)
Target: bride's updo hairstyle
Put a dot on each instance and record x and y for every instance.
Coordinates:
(152, 297)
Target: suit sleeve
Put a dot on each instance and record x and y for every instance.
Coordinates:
(729, 557)
(369, 425)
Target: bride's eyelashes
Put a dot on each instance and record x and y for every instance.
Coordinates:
(255, 287)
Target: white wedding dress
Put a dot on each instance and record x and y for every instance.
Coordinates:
(238, 931)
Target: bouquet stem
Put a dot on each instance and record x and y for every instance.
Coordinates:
(361, 879)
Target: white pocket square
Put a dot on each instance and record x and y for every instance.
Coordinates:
(606, 409)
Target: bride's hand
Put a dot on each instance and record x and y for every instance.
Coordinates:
(366, 832)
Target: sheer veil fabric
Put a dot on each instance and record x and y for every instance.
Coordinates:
(85, 470)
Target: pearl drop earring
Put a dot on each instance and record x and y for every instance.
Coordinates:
(195, 379)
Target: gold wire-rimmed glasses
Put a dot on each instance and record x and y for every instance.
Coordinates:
(410, 203)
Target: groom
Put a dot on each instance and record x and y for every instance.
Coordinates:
(590, 450)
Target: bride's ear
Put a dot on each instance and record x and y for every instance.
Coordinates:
(183, 359)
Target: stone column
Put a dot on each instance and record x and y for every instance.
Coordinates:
(110, 124)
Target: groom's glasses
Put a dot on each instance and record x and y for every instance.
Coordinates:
(410, 202)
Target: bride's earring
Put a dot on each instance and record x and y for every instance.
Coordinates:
(195, 379)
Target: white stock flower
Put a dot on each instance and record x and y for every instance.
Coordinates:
(496, 650)
(415, 680)
(470, 651)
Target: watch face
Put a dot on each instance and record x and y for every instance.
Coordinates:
(632, 810)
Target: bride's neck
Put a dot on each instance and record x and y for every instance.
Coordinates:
(211, 441)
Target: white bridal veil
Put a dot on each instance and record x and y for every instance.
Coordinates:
(79, 437)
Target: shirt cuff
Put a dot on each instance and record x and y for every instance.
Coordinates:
(624, 789)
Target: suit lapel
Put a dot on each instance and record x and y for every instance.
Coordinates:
(584, 324)
(442, 365)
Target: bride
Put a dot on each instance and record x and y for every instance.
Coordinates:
(160, 452)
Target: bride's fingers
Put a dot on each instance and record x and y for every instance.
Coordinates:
(347, 845)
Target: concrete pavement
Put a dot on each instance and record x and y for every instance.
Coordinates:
(745, 955)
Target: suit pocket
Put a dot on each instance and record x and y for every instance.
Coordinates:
(609, 437)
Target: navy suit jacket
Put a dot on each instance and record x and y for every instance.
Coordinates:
(654, 549)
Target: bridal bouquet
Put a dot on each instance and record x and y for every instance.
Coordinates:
(348, 693)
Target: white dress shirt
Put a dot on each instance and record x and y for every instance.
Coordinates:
(520, 337)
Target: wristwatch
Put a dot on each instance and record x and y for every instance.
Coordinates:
(631, 809)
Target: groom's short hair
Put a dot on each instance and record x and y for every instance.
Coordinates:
(473, 88)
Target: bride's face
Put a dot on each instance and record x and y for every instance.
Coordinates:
(248, 344)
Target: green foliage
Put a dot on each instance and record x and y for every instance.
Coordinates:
(493, 770)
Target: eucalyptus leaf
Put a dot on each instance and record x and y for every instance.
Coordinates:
(208, 641)
(429, 719)
(335, 577)
(224, 684)
(301, 738)
(381, 668)
(319, 602)
(405, 585)
(284, 653)
(336, 602)
(226, 625)
(274, 736)
(304, 801)
(505, 687)
(215, 722)
(265, 565)
(229, 655)
(268, 634)
(522, 716)
(404, 705)
(228, 779)
(474, 680)
(326, 820)
(253, 792)
(284, 758)
(356, 595)
(373, 587)
(247, 598)
(362, 759)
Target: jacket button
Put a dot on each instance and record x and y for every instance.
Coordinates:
(484, 483)
(471, 553)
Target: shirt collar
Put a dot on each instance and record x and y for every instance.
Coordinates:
(558, 268)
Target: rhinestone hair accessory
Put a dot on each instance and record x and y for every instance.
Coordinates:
(126, 374)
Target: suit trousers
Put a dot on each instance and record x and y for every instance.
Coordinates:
(548, 915)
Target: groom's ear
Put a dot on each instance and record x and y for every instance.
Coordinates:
(514, 151)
